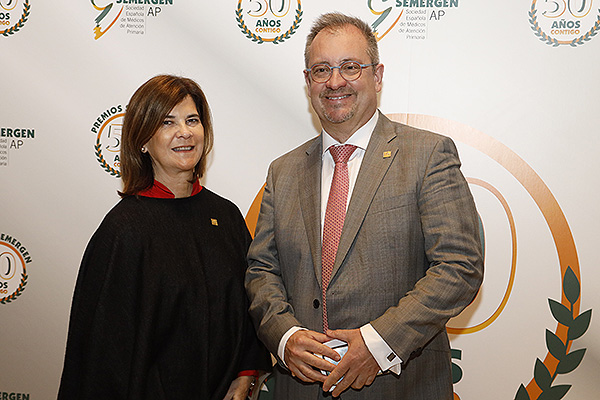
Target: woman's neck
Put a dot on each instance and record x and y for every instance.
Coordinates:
(180, 186)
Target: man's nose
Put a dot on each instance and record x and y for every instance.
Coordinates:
(336, 80)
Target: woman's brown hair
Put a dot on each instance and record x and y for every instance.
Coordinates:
(145, 113)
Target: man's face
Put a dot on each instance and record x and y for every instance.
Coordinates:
(342, 106)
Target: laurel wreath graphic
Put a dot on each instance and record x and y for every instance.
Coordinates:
(21, 21)
(276, 40)
(552, 41)
(17, 292)
(567, 362)
(102, 161)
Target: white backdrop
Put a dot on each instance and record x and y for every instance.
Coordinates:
(514, 83)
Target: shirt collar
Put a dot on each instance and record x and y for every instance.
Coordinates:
(360, 138)
(160, 191)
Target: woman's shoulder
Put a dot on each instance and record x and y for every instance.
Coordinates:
(226, 210)
(218, 201)
(129, 214)
(125, 208)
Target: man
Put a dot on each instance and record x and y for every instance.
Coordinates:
(408, 257)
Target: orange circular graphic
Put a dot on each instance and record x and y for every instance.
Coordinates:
(513, 264)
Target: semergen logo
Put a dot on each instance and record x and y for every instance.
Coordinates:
(128, 15)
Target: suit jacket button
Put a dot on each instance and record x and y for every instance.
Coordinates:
(316, 303)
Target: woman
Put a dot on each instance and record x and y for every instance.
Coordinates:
(159, 309)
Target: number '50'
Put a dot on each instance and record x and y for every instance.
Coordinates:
(278, 8)
(577, 8)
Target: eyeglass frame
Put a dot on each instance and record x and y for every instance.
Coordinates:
(308, 71)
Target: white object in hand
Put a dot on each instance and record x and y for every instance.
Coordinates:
(341, 348)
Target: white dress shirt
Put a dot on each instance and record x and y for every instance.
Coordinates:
(380, 350)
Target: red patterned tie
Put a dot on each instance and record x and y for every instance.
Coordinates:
(334, 217)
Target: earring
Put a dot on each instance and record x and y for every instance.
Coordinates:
(144, 150)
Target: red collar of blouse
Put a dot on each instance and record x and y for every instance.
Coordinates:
(160, 191)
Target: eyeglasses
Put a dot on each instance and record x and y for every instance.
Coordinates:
(349, 70)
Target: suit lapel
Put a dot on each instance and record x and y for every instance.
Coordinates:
(380, 153)
(309, 189)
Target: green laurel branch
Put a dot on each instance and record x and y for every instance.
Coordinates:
(590, 34)
(538, 31)
(243, 26)
(102, 161)
(17, 292)
(292, 29)
(552, 41)
(567, 361)
(21, 22)
(278, 39)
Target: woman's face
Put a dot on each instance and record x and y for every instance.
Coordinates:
(177, 145)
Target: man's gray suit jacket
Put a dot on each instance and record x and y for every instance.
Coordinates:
(409, 257)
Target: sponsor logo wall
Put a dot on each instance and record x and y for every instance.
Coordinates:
(513, 84)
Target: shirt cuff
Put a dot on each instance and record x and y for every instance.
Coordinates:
(381, 352)
(284, 340)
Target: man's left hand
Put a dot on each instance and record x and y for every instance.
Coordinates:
(358, 367)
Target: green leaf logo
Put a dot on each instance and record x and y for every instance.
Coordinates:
(567, 361)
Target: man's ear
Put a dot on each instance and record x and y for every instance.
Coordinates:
(307, 79)
(378, 76)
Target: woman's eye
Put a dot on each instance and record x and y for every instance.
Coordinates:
(193, 121)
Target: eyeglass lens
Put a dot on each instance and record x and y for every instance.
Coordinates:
(350, 70)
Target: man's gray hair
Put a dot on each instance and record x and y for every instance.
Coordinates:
(335, 21)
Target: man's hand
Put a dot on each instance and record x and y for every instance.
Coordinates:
(303, 353)
(358, 367)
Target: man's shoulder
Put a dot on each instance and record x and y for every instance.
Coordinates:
(404, 131)
(300, 152)
(410, 139)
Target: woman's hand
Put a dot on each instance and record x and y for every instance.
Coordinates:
(238, 390)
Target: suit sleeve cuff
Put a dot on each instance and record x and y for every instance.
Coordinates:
(381, 352)
(284, 340)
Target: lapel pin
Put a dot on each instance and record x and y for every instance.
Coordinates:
(387, 154)
(214, 222)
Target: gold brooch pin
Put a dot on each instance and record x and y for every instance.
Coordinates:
(214, 222)
(387, 154)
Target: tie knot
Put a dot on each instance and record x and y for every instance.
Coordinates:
(342, 153)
